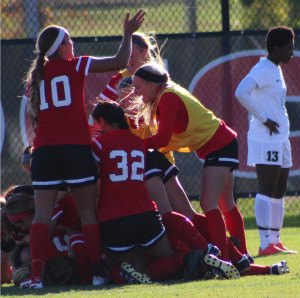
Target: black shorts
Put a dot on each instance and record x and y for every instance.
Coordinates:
(142, 229)
(57, 166)
(158, 165)
(225, 157)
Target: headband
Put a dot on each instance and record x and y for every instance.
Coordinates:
(19, 216)
(151, 77)
(57, 41)
(139, 41)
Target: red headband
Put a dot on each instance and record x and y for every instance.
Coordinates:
(19, 216)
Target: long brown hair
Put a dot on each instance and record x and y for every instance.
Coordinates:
(33, 78)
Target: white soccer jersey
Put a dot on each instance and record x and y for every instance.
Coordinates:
(270, 97)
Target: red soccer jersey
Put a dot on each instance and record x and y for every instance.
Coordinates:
(122, 172)
(59, 246)
(110, 92)
(61, 112)
(65, 212)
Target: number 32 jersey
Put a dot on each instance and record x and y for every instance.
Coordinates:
(121, 155)
(61, 112)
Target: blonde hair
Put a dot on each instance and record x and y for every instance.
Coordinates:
(146, 111)
(21, 274)
(33, 78)
(149, 41)
(19, 202)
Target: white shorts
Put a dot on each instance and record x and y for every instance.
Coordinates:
(279, 153)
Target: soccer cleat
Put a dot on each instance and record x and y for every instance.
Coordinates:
(191, 262)
(271, 250)
(34, 283)
(251, 260)
(243, 265)
(99, 281)
(213, 250)
(279, 268)
(132, 276)
(290, 252)
(225, 269)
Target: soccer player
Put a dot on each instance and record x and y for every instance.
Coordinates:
(126, 213)
(62, 152)
(263, 93)
(185, 125)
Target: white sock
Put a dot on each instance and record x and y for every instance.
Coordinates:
(277, 213)
(263, 217)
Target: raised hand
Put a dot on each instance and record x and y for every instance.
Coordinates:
(133, 24)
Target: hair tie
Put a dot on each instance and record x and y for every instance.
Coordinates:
(57, 42)
(151, 77)
(139, 41)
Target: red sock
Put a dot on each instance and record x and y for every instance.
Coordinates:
(258, 270)
(82, 260)
(233, 252)
(235, 226)
(116, 276)
(39, 241)
(217, 231)
(163, 268)
(183, 229)
(200, 224)
(177, 245)
(91, 234)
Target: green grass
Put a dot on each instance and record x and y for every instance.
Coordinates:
(287, 285)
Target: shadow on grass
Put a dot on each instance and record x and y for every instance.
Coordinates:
(11, 290)
(17, 291)
(290, 221)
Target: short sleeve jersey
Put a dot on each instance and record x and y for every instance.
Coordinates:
(110, 92)
(59, 246)
(65, 212)
(121, 155)
(61, 112)
(270, 96)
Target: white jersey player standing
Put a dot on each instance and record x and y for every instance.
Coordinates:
(263, 93)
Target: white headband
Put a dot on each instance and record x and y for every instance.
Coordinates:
(57, 41)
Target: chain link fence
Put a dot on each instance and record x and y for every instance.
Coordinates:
(210, 46)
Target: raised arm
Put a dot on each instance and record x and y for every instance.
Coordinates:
(121, 59)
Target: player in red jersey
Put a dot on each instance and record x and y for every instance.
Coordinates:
(62, 152)
(127, 215)
(143, 49)
(184, 124)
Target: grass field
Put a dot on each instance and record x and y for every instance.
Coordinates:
(287, 285)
